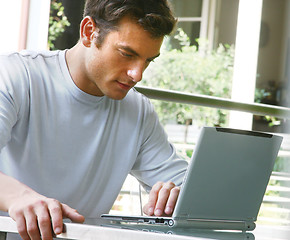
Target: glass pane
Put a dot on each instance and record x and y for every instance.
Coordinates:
(273, 68)
(192, 30)
(192, 65)
(187, 8)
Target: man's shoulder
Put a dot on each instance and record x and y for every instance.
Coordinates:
(20, 68)
(9, 58)
(12, 67)
(25, 58)
(29, 54)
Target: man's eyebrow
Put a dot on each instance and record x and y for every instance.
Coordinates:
(128, 49)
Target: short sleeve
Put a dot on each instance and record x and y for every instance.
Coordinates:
(12, 91)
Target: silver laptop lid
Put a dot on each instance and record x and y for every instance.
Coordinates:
(228, 175)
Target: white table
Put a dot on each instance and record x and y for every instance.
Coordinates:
(82, 232)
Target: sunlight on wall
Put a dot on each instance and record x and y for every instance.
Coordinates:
(38, 24)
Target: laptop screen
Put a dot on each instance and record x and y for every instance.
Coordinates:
(228, 175)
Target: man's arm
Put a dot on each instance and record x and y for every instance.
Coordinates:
(162, 199)
(34, 214)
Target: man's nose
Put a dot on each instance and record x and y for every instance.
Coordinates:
(136, 73)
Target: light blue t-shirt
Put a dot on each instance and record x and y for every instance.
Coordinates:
(72, 146)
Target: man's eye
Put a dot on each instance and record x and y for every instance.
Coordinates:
(126, 54)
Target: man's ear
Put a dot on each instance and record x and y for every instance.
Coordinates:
(88, 31)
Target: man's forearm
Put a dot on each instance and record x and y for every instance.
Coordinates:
(11, 189)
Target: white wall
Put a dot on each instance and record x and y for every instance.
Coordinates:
(10, 13)
(10, 22)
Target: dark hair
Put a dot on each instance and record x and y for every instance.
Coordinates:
(155, 16)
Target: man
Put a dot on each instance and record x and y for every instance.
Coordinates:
(72, 126)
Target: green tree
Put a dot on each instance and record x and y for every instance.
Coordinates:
(57, 22)
(194, 70)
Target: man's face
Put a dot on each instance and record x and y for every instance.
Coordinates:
(113, 68)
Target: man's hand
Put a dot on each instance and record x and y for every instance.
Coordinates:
(38, 217)
(162, 199)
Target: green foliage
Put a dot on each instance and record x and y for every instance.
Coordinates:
(189, 153)
(280, 164)
(198, 71)
(260, 95)
(57, 22)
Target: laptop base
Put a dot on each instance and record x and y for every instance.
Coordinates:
(180, 223)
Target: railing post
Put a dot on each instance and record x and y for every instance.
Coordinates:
(245, 63)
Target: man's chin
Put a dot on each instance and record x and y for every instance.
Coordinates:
(117, 96)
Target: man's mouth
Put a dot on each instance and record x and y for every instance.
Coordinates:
(124, 86)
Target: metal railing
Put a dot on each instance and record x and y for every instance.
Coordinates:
(214, 102)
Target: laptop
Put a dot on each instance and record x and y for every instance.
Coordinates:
(225, 182)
